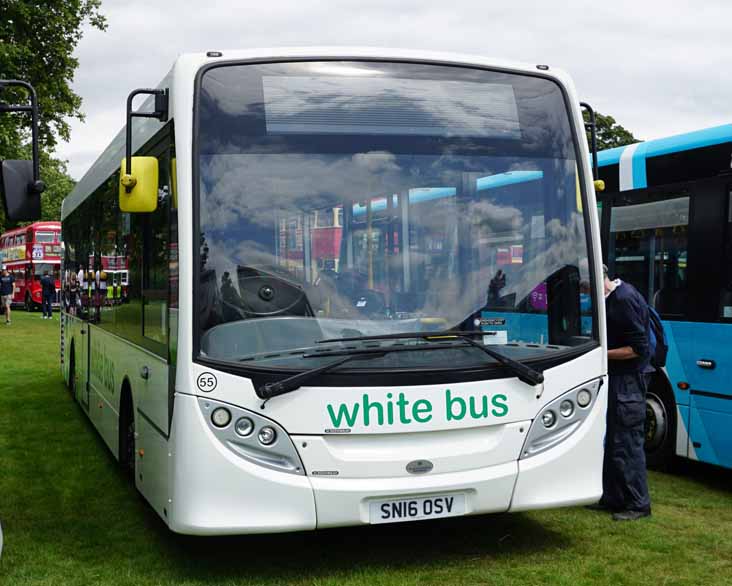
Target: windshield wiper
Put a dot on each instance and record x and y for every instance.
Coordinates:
(292, 383)
(524, 373)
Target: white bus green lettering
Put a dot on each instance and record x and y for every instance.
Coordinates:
(357, 286)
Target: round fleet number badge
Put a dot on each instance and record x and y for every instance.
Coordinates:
(206, 382)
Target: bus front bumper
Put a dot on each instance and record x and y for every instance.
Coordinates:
(215, 492)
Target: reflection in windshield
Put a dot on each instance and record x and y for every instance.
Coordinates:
(306, 235)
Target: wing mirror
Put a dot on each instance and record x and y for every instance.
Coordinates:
(20, 180)
(138, 178)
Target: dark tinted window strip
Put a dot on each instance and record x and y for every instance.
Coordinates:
(711, 395)
(689, 165)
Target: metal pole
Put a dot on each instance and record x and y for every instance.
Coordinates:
(593, 138)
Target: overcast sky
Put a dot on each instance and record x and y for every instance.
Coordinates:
(659, 67)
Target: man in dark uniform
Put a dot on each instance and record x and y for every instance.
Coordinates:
(6, 293)
(48, 287)
(625, 486)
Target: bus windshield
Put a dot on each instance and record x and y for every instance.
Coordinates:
(343, 199)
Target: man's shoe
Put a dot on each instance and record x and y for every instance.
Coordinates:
(630, 515)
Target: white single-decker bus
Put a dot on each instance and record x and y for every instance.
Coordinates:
(363, 286)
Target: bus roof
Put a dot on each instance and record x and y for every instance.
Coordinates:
(180, 80)
(671, 144)
(44, 225)
(632, 158)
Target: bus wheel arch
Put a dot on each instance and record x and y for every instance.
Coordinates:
(126, 429)
(661, 422)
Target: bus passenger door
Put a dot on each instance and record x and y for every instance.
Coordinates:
(648, 247)
(709, 368)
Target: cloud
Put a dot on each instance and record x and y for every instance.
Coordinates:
(658, 67)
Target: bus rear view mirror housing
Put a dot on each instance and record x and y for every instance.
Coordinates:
(22, 197)
(138, 178)
(138, 190)
(20, 180)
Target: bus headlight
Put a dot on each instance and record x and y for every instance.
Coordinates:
(548, 418)
(244, 426)
(566, 408)
(221, 417)
(584, 398)
(548, 430)
(252, 437)
(267, 436)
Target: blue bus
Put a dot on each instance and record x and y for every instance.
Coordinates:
(666, 218)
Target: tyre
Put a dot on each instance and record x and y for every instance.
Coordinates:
(660, 425)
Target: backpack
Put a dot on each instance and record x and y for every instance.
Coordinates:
(656, 339)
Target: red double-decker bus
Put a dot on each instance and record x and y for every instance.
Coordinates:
(27, 253)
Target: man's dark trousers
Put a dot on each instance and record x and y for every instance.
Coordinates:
(46, 304)
(624, 467)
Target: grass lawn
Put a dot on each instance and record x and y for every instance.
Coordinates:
(70, 517)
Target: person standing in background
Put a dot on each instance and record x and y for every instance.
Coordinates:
(7, 284)
(624, 478)
(73, 293)
(48, 287)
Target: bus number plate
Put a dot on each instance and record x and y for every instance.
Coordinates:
(413, 509)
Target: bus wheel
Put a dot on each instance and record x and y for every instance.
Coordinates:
(127, 432)
(660, 425)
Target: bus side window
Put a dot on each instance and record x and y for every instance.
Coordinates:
(155, 261)
(725, 294)
(648, 248)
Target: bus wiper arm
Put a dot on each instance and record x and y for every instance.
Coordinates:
(294, 382)
(524, 373)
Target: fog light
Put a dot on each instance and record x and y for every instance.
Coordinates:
(221, 417)
(584, 397)
(548, 418)
(566, 408)
(267, 436)
(244, 426)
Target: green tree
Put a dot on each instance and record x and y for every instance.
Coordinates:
(58, 185)
(610, 134)
(37, 42)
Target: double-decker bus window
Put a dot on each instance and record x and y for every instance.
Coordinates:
(649, 248)
(44, 237)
